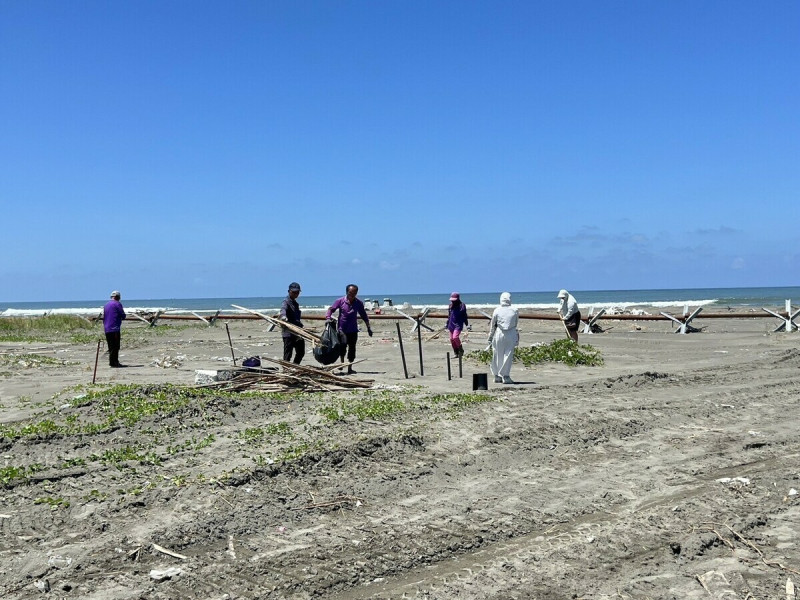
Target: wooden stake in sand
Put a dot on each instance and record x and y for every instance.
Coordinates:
(230, 343)
(448, 367)
(402, 353)
(419, 341)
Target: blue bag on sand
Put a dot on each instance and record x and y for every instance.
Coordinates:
(253, 361)
(330, 347)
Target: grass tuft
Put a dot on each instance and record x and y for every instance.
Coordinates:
(563, 351)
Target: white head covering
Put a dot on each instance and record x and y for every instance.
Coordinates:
(563, 294)
(115, 294)
(505, 299)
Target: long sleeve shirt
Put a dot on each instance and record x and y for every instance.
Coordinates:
(457, 318)
(348, 314)
(290, 310)
(113, 314)
(505, 318)
(569, 306)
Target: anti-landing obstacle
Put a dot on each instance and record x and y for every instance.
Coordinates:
(590, 323)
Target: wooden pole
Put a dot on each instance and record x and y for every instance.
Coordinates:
(449, 377)
(460, 369)
(564, 323)
(402, 353)
(419, 341)
(96, 359)
(230, 343)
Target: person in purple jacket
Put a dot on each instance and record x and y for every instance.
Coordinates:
(350, 308)
(457, 320)
(113, 315)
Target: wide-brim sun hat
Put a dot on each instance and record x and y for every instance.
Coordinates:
(454, 296)
(562, 294)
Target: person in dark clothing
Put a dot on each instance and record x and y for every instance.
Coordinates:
(290, 312)
(113, 315)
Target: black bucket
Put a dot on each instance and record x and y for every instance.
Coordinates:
(480, 381)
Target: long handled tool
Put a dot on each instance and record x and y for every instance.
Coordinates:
(564, 323)
(96, 358)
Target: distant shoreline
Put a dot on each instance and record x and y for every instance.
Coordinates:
(711, 299)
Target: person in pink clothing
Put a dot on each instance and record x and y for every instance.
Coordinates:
(457, 320)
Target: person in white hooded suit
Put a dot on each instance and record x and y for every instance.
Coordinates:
(503, 337)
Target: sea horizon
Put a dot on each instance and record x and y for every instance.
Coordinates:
(729, 298)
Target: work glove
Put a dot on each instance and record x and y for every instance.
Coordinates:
(283, 318)
(369, 332)
(469, 327)
(329, 320)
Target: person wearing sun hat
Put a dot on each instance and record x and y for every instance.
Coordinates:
(457, 320)
(569, 313)
(290, 312)
(113, 315)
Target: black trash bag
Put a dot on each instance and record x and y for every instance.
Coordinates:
(330, 349)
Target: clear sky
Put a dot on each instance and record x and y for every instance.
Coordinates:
(197, 149)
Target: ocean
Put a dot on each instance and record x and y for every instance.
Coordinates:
(723, 298)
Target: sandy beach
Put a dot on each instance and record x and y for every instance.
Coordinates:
(668, 472)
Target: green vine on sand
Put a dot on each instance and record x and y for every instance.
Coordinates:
(563, 351)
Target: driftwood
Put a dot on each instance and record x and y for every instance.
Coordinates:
(288, 377)
(298, 331)
(168, 552)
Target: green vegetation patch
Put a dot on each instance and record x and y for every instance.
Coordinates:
(258, 435)
(456, 402)
(10, 473)
(42, 329)
(563, 351)
(30, 361)
(117, 405)
(371, 405)
(53, 503)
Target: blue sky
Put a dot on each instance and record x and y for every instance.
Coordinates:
(200, 149)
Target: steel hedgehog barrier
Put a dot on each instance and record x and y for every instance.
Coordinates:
(682, 322)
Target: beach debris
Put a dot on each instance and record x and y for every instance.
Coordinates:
(716, 585)
(298, 331)
(168, 552)
(790, 593)
(354, 500)
(208, 376)
(284, 376)
(59, 562)
(743, 480)
(169, 362)
(43, 585)
(164, 574)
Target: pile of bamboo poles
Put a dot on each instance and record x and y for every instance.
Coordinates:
(298, 331)
(288, 376)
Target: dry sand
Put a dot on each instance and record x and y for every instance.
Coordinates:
(668, 472)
